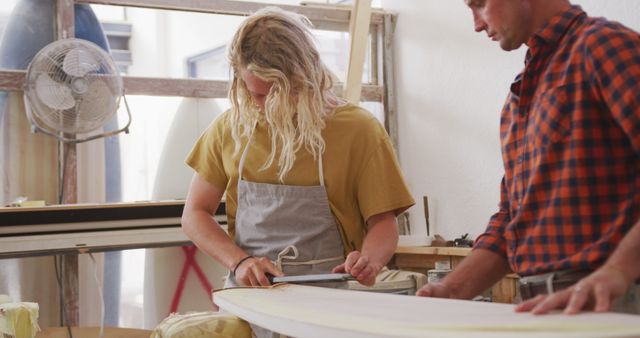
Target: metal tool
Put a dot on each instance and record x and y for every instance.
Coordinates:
(303, 279)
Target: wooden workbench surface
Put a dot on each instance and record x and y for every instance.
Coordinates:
(423, 258)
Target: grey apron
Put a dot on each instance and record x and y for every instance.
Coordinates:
(291, 225)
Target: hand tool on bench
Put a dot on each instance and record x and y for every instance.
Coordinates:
(305, 279)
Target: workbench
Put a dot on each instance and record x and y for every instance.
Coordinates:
(423, 258)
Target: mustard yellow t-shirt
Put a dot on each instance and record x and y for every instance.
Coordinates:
(362, 175)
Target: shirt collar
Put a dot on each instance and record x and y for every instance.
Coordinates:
(555, 28)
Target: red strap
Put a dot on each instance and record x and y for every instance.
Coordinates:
(190, 261)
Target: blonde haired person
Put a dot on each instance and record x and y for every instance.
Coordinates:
(312, 183)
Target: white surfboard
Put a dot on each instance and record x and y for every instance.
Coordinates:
(163, 266)
(307, 311)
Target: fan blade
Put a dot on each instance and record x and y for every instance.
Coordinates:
(98, 105)
(78, 62)
(55, 95)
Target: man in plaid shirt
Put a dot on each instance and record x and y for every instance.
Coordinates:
(568, 221)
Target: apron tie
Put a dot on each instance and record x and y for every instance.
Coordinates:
(282, 255)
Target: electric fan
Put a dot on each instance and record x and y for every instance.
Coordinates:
(73, 86)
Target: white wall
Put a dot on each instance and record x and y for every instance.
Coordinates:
(451, 85)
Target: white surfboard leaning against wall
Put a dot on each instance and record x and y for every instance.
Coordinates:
(163, 266)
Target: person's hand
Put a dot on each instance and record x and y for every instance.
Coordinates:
(437, 290)
(360, 267)
(251, 272)
(596, 291)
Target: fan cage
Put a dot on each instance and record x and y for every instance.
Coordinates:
(73, 86)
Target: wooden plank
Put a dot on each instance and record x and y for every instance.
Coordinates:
(359, 34)
(455, 260)
(12, 80)
(390, 100)
(210, 88)
(65, 29)
(70, 288)
(393, 266)
(317, 14)
(175, 87)
(505, 290)
(418, 260)
(69, 172)
(375, 72)
(65, 22)
(373, 93)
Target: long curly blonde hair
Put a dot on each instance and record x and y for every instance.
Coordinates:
(277, 46)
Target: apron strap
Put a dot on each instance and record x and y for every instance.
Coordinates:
(246, 148)
(320, 169)
(244, 152)
(282, 255)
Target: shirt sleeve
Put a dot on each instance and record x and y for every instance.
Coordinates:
(613, 54)
(206, 157)
(381, 186)
(493, 237)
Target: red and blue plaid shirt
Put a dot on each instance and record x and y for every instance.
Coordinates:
(570, 133)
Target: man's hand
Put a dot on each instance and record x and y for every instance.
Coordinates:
(596, 291)
(360, 267)
(437, 290)
(251, 272)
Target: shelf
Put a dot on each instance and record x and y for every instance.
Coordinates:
(84, 228)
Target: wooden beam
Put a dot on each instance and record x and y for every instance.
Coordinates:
(375, 70)
(175, 87)
(211, 88)
(65, 29)
(317, 14)
(70, 288)
(13, 80)
(372, 93)
(390, 100)
(65, 22)
(359, 34)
